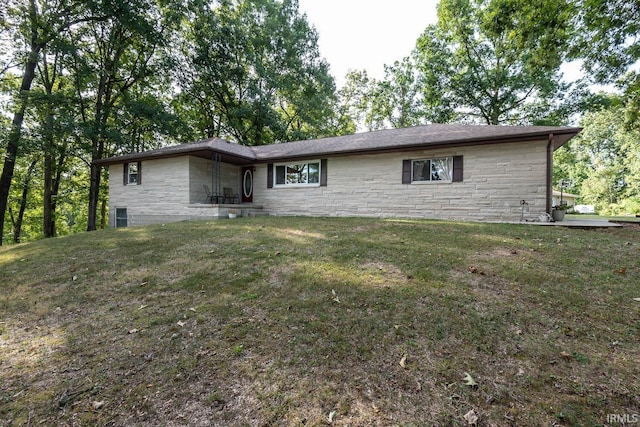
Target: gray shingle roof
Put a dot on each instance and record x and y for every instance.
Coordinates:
(428, 136)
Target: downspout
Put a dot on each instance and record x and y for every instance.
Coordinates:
(549, 173)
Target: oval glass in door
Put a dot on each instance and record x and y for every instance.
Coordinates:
(247, 185)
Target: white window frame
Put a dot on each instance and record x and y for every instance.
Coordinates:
(297, 184)
(448, 159)
(130, 174)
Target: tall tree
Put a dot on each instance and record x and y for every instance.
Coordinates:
(114, 56)
(52, 108)
(396, 99)
(256, 74)
(488, 59)
(37, 23)
(355, 98)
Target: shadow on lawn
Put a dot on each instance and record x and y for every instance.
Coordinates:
(296, 321)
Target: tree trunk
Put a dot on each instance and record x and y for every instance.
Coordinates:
(17, 226)
(13, 142)
(103, 213)
(47, 203)
(52, 177)
(97, 141)
(94, 194)
(56, 189)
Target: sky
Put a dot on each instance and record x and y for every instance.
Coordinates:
(367, 34)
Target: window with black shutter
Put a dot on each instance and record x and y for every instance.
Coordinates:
(436, 169)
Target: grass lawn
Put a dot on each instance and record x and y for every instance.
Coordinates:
(345, 322)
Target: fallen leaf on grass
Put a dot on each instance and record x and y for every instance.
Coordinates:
(565, 355)
(622, 271)
(403, 361)
(335, 296)
(97, 405)
(637, 299)
(471, 418)
(181, 323)
(331, 415)
(468, 380)
(474, 270)
(132, 331)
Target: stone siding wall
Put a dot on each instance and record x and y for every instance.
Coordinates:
(495, 179)
(171, 190)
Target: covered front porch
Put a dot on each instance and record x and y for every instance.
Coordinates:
(221, 185)
(220, 180)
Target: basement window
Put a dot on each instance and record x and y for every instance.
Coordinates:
(121, 217)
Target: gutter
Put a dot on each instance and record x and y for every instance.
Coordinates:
(550, 149)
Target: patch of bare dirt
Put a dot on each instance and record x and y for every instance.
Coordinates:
(385, 273)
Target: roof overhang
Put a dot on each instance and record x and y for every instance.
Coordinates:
(229, 153)
(391, 140)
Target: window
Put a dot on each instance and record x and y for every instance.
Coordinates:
(297, 174)
(121, 217)
(132, 173)
(437, 169)
(432, 170)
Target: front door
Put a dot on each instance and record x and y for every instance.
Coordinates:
(247, 184)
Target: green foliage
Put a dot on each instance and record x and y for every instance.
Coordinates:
(396, 98)
(395, 101)
(492, 60)
(606, 38)
(253, 72)
(603, 161)
(93, 73)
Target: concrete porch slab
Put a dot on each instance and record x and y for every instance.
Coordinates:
(577, 223)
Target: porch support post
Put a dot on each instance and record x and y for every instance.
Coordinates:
(215, 175)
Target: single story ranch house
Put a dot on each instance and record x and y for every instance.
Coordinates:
(457, 172)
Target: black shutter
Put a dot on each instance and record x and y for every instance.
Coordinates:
(139, 173)
(323, 173)
(125, 179)
(457, 169)
(406, 171)
(270, 175)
